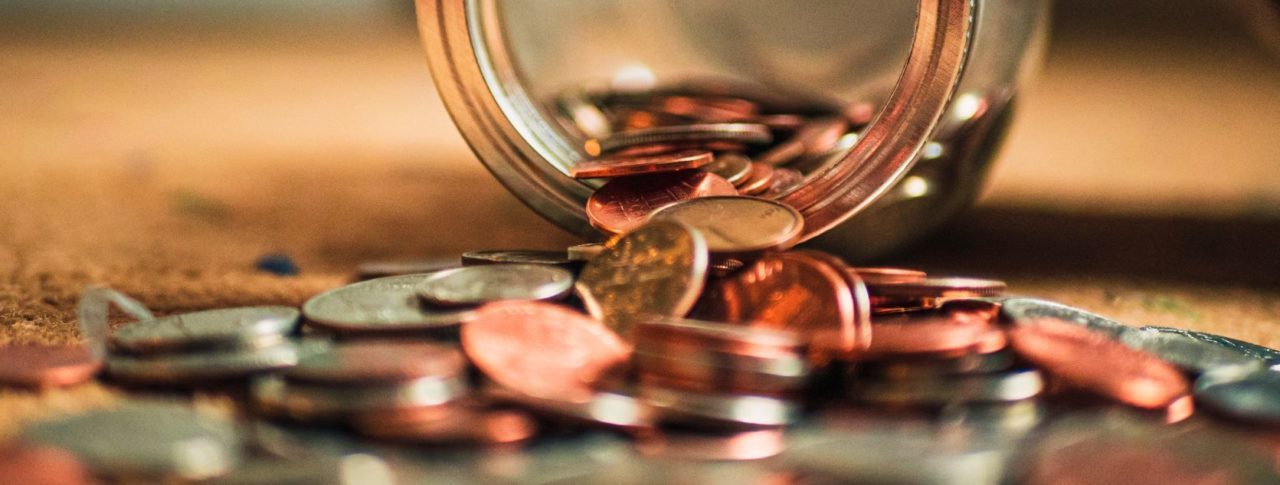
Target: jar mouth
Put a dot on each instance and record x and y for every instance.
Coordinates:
(531, 153)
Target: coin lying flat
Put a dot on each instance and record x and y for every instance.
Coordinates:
(936, 288)
(656, 270)
(1235, 345)
(735, 446)
(1192, 355)
(889, 275)
(475, 285)
(317, 402)
(380, 305)
(1250, 395)
(202, 366)
(148, 441)
(1008, 386)
(516, 256)
(705, 132)
(46, 366)
(605, 408)
(972, 363)
(226, 327)
(625, 203)
(542, 350)
(1016, 309)
(464, 426)
(638, 165)
(738, 225)
(933, 334)
(733, 167)
(373, 361)
(720, 410)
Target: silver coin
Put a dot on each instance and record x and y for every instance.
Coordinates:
(720, 410)
(929, 368)
(145, 442)
(882, 452)
(1189, 353)
(737, 224)
(605, 408)
(312, 402)
(1017, 309)
(202, 366)
(382, 269)
(474, 285)
(516, 256)
(380, 305)
(584, 252)
(698, 132)
(227, 327)
(1250, 349)
(1251, 395)
(1009, 386)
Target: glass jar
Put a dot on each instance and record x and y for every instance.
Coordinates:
(935, 81)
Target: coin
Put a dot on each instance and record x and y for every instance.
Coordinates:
(466, 426)
(201, 366)
(474, 285)
(45, 367)
(320, 402)
(622, 166)
(516, 256)
(911, 368)
(936, 288)
(381, 305)
(373, 361)
(698, 132)
(889, 275)
(222, 328)
(1016, 385)
(758, 180)
(1090, 360)
(814, 137)
(792, 291)
(1017, 309)
(625, 203)
(658, 269)
(714, 357)
(1252, 395)
(38, 465)
(782, 182)
(584, 252)
(1192, 355)
(145, 441)
(1235, 345)
(708, 109)
(726, 411)
(735, 225)
(604, 408)
(382, 269)
(734, 167)
(735, 446)
(933, 334)
(541, 349)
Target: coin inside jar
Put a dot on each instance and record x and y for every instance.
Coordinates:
(226, 327)
(637, 165)
(736, 224)
(474, 285)
(704, 132)
(38, 367)
(624, 203)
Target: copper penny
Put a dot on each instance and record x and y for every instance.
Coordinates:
(708, 109)
(734, 167)
(739, 446)
(788, 291)
(934, 334)
(718, 337)
(46, 366)
(658, 269)
(758, 180)
(624, 203)
(541, 349)
(623, 166)
(889, 275)
(1090, 360)
(784, 180)
(655, 149)
(38, 465)
(368, 361)
(816, 136)
(696, 132)
(736, 225)
(461, 426)
(936, 288)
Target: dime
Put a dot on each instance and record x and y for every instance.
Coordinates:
(149, 442)
(318, 402)
(371, 361)
(46, 366)
(516, 256)
(705, 132)
(720, 410)
(220, 328)
(584, 252)
(1237, 346)
(604, 408)
(465, 426)
(202, 366)
(38, 465)
(1008, 386)
(656, 270)
(625, 203)
(733, 167)
(474, 285)
(617, 166)
(936, 288)
(1092, 361)
(758, 181)
(1188, 353)
(541, 349)
(735, 446)
(380, 305)
(735, 225)
(1252, 395)
(1017, 309)
(793, 291)
(382, 269)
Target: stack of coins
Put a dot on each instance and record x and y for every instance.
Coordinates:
(206, 346)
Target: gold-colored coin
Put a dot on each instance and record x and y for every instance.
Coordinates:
(658, 269)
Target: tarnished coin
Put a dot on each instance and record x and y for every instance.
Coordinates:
(516, 256)
(658, 269)
(1008, 386)
(1192, 355)
(584, 252)
(145, 442)
(790, 291)
(1090, 360)
(463, 426)
(475, 285)
(1018, 309)
(735, 446)
(1249, 394)
(936, 288)
(41, 367)
(382, 269)
(221, 328)
(381, 305)
(201, 366)
(738, 225)
(1234, 345)
(733, 167)
(698, 132)
(39, 465)
(727, 411)
(625, 203)
(541, 349)
(372, 361)
(620, 166)
(320, 402)
(605, 408)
